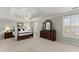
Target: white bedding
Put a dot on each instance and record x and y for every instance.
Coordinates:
(24, 32)
(27, 33)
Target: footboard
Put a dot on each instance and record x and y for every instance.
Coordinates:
(24, 37)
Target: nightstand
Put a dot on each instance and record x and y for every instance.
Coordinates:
(8, 35)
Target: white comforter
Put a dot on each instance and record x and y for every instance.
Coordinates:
(26, 33)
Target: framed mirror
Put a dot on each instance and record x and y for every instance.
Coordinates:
(47, 25)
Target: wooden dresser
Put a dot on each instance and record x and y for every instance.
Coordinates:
(48, 34)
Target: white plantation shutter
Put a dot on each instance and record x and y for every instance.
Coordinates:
(71, 26)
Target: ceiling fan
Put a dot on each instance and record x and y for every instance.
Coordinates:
(28, 16)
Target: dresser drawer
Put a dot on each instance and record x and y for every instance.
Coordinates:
(8, 35)
(51, 35)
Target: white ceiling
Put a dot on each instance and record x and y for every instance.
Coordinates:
(54, 10)
(18, 12)
(39, 11)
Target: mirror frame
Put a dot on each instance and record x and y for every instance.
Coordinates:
(44, 25)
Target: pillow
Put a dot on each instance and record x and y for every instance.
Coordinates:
(19, 30)
(23, 29)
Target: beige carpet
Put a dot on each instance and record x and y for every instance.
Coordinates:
(35, 45)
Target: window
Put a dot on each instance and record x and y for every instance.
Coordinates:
(71, 26)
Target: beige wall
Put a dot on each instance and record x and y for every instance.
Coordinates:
(4, 22)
